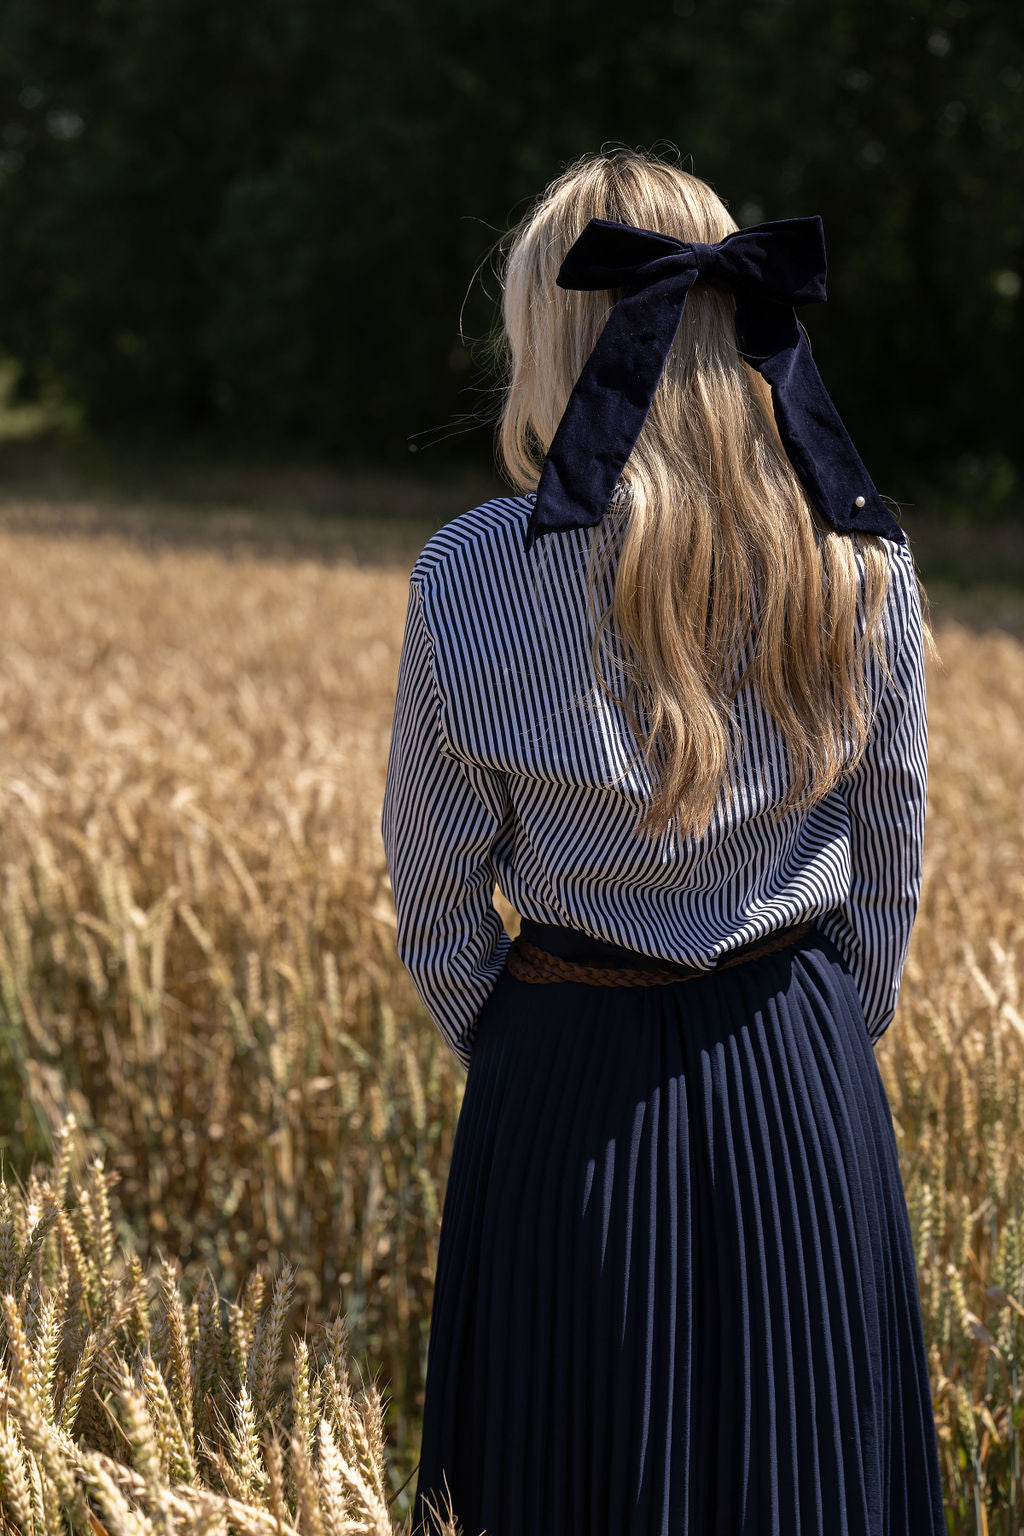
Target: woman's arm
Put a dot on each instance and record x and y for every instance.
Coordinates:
(439, 820)
(885, 796)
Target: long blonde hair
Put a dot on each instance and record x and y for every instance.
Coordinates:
(708, 513)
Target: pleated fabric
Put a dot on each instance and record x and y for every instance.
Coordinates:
(676, 1292)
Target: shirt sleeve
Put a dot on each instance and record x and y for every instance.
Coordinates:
(440, 817)
(885, 796)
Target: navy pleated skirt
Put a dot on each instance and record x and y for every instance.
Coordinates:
(676, 1291)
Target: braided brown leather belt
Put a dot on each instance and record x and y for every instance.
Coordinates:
(529, 963)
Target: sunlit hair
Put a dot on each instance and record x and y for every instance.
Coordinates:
(710, 539)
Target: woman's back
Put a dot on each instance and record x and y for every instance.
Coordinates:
(529, 779)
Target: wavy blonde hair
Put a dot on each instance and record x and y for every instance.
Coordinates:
(709, 512)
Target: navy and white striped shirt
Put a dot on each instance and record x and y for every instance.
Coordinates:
(500, 772)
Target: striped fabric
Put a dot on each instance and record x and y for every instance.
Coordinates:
(508, 766)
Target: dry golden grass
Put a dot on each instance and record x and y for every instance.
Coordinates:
(197, 955)
(196, 935)
(128, 1413)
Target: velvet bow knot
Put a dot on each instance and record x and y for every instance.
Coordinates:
(770, 268)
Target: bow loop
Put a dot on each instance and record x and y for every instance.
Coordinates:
(771, 268)
(782, 260)
(609, 255)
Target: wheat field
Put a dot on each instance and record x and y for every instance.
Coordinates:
(197, 964)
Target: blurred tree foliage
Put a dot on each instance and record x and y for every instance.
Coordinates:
(260, 220)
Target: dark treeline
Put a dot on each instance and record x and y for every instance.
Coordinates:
(259, 219)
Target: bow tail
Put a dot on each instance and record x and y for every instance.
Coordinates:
(607, 409)
(812, 431)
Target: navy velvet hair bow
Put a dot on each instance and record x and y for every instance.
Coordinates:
(770, 268)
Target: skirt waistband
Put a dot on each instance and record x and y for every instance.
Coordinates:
(556, 952)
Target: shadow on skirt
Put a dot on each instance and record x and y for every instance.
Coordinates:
(676, 1291)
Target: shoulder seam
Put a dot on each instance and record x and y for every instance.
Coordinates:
(431, 649)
